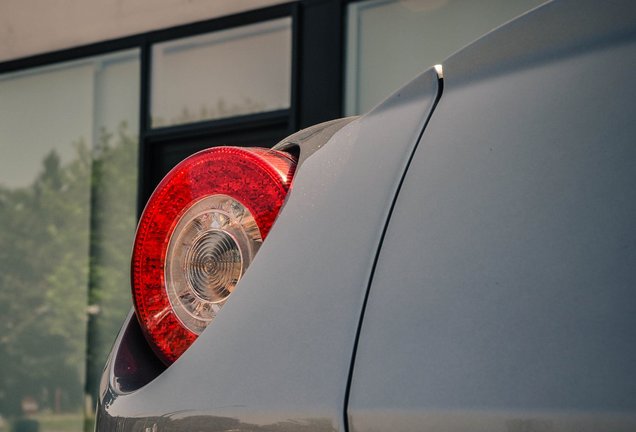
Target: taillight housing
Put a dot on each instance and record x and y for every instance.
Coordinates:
(197, 235)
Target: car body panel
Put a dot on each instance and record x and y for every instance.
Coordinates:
(278, 355)
(503, 297)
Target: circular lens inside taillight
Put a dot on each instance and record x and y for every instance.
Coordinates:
(211, 246)
(198, 234)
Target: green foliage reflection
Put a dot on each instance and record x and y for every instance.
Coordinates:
(64, 253)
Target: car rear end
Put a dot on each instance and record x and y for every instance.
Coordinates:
(463, 257)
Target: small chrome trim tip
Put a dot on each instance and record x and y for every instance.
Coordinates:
(440, 70)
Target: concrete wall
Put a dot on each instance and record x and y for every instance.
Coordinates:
(29, 27)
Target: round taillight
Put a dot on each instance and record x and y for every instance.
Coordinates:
(198, 233)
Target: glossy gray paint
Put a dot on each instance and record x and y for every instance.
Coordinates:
(278, 354)
(504, 298)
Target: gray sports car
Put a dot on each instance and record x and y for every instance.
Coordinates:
(461, 258)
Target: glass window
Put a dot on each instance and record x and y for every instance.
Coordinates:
(389, 42)
(113, 207)
(68, 140)
(233, 72)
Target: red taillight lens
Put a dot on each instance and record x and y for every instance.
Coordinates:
(198, 233)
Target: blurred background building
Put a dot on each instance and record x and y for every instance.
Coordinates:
(98, 100)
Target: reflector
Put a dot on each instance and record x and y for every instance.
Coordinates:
(198, 233)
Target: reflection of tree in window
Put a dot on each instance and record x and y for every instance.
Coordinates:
(46, 267)
(222, 109)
